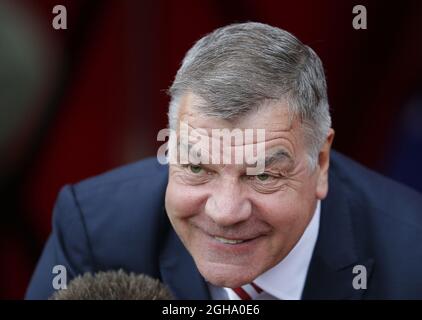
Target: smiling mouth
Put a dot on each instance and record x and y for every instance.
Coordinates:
(228, 241)
(233, 241)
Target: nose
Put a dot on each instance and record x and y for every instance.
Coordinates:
(227, 205)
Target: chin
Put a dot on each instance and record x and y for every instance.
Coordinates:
(226, 275)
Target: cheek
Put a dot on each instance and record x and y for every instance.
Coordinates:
(288, 211)
(183, 201)
(280, 213)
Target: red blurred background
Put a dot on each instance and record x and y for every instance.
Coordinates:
(77, 102)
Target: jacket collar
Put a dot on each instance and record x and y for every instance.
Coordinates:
(178, 270)
(330, 274)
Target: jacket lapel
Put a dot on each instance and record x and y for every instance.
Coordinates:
(178, 270)
(330, 274)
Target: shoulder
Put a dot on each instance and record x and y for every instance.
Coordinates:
(375, 190)
(123, 213)
(386, 221)
(137, 172)
(139, 187)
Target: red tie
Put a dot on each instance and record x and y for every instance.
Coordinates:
(248, 292)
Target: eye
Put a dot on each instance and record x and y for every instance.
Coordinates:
(266, 179)
(263, 177)
(195, 168)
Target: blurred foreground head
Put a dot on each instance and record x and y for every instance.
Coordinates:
(113, 285)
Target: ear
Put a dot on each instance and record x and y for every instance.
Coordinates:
(323, 166)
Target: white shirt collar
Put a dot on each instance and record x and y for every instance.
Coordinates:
(285, 280)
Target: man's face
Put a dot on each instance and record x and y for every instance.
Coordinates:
(237, 226)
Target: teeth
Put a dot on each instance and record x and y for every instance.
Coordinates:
(228, 241)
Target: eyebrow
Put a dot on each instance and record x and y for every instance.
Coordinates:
(280, 155)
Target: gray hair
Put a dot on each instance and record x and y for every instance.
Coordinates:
(239, 67)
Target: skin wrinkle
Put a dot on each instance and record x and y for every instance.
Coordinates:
(274, 130)
(278, 157)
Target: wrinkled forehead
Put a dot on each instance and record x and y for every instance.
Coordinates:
(222, 152)
(271, 115)
(266, 135)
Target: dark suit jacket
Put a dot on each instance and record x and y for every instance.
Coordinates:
(117, 220)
